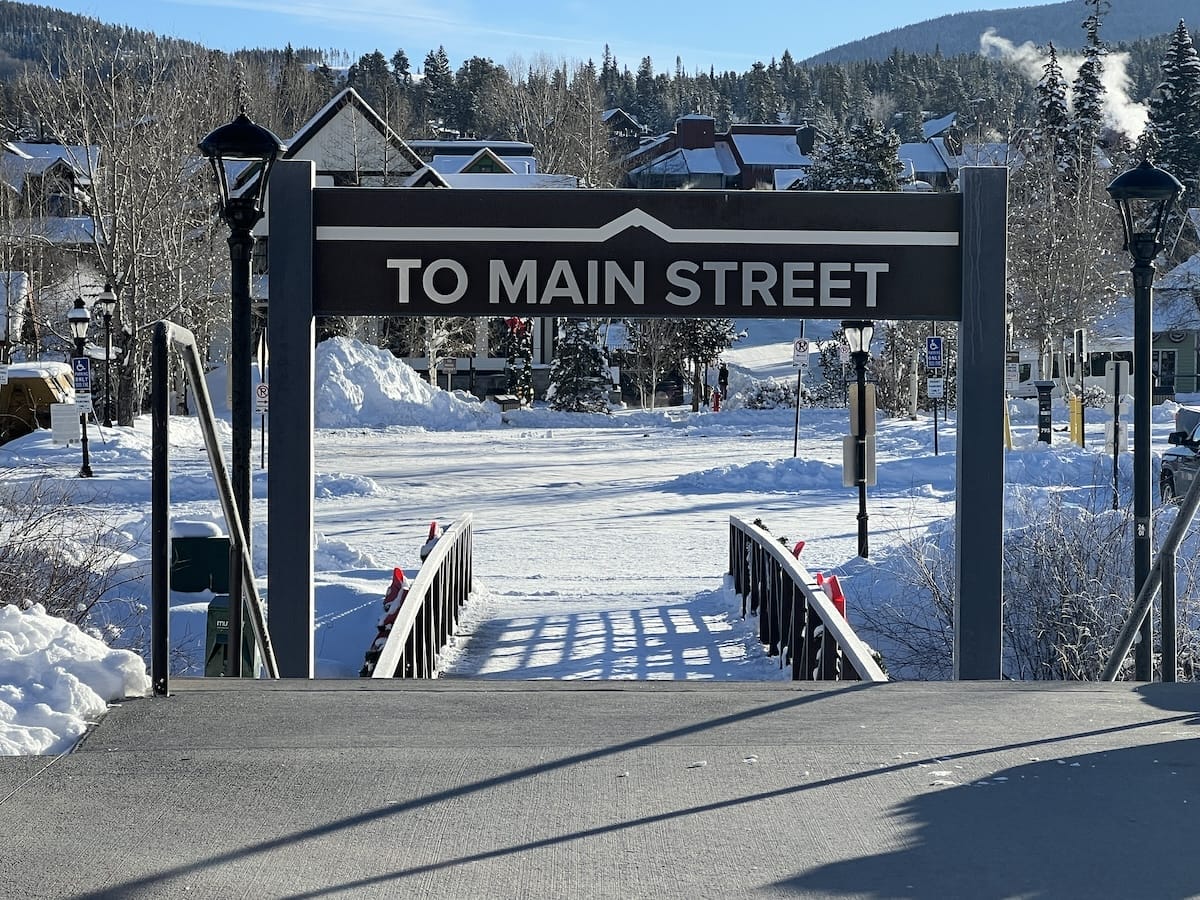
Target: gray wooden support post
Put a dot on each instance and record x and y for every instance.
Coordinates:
(291, 335)
(980, 459)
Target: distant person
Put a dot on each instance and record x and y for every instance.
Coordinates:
(723, 380)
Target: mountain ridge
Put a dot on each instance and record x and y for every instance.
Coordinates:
(1057, 23)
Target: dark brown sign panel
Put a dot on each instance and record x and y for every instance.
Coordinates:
(679, 254)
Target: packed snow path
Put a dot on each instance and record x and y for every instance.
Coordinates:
(601, 552)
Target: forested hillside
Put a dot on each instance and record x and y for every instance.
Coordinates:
(1126, 21)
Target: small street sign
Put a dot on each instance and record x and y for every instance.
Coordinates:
(81, 366)
(448, 364)
(262, 395)
(1012, 371)
(3, 374)
(64, 423)
(800, 352)
(936, 388)
(83, 401)
(933, 352)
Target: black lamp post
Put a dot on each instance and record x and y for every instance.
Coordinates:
(79, 319)
(858, 335)
(241, 207)
(107, 302)
(1144, 195)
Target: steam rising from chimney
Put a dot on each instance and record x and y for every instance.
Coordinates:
(1120, 112)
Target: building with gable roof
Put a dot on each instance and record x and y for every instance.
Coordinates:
(696, 155)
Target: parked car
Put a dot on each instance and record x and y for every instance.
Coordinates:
(1181, 463)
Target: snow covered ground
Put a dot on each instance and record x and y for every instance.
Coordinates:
(600, 541)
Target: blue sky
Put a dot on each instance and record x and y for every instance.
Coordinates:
(703, 33)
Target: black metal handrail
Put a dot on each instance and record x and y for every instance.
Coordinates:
(796, 620)
(165, 335)
(429, 613)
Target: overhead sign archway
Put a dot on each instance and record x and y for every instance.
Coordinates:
(639, 254)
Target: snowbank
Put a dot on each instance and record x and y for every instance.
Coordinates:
(361, 385)
(55, 680)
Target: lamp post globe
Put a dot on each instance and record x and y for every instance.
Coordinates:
(1144, 196)
(107, 304)
(859, 333)
(78, 318)
(242, 192)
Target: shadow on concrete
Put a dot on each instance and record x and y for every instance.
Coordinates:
(1107, 824)
(1112, 824)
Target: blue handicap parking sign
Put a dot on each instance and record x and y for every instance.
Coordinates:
(933, 352)
(82, 368)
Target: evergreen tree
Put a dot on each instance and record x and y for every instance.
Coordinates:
(762, 100)
(1052, 131)
(1175, 114)
(402, 69)
(866, 159)
(579, 376)
(1087, 91)
(436, 91)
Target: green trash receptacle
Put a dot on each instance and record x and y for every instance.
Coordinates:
(200, 563)
(216, 644)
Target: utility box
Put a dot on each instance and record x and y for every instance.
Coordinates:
(199, 562)
(216, 643)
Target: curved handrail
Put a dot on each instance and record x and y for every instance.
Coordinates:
(429, 613)
(786, 623)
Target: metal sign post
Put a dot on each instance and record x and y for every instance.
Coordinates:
(800, 361)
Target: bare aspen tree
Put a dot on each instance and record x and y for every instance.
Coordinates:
(142, 107)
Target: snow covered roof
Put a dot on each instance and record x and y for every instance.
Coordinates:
(83, 159)
(702, 161)
(1174, 310)
(924, 158)
(997, 153)
(38, 370)
(1184, 277)
(450, 163)
(516, 181)
(648, 146)
(470, 148)
(934, 127)
(779, 150)
(58, 230)
(786, 179)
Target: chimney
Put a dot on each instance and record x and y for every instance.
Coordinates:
(806, 139)
(695, 132)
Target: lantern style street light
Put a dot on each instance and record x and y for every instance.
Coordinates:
(79, 318)
(859, 333)
(107, 304)
(240, 141)
(1144, 196)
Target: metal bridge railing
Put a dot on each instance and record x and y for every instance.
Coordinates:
(796, 621)
(167, 334)
(429, 613)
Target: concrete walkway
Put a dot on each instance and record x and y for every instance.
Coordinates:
(459, 789)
